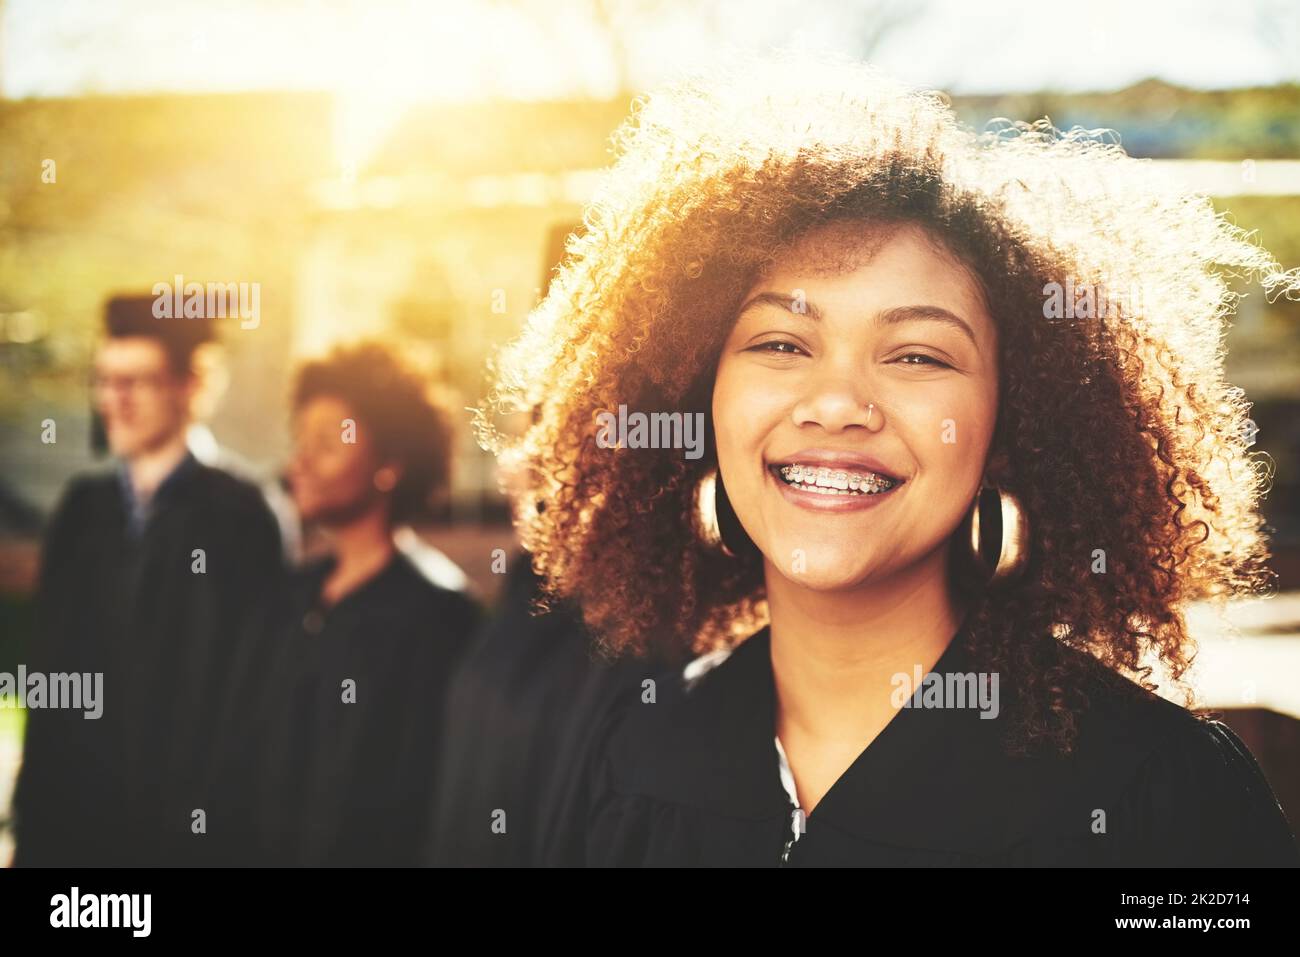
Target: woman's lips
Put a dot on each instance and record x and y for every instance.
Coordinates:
(831, 496)
(834, 480)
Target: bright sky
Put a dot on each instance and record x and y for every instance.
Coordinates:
(403, 50)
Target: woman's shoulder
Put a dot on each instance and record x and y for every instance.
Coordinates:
(404, 592)
(677, 708)
(1125, 722)
(687, 744)
(1181, 786)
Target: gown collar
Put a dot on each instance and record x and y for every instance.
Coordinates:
(140, 510)
(934, 777)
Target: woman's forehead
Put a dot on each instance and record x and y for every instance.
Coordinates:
(323, 409)
(907, 258)
(844, 246)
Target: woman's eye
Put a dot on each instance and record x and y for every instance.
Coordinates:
(779, 347)
(926, 360)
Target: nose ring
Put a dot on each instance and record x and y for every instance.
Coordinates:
(871, 410)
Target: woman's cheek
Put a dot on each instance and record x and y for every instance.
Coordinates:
(741, 432)
(951, 443)
(948, 420)
(733, 394)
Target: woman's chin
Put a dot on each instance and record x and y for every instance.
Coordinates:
(828, 572)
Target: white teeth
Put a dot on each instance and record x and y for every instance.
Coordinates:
(837, 482)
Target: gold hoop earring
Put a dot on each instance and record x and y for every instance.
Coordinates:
(719, 526)
(1013, 549)
(706, 510)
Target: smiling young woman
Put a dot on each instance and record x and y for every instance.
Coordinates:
(914, 468)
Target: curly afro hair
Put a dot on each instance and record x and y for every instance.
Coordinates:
(398, 410)
(1117, 427)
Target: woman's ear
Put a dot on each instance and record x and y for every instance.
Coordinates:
(387, 477)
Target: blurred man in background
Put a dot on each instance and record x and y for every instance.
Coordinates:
(148, 576)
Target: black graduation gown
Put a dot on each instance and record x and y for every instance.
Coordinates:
(122, 789)
(349, 783)
(520, 725)
(693, 780)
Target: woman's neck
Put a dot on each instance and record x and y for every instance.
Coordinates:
(835, 654)
(362, 548)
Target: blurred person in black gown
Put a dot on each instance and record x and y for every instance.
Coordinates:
(147, 576)
(520, 728)
(366, 642)
(521, 715)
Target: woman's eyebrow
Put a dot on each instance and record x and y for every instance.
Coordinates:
(796, 305)
(888, 317)
(925, 314)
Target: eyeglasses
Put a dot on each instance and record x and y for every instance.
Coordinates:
(135, 384)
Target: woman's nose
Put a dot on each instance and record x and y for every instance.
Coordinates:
(837, 403)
